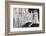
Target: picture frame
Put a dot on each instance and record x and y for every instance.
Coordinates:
(9, 5)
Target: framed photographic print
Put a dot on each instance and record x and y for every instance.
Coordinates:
(24, 17)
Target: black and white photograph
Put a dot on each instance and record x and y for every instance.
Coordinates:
(25, 17)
